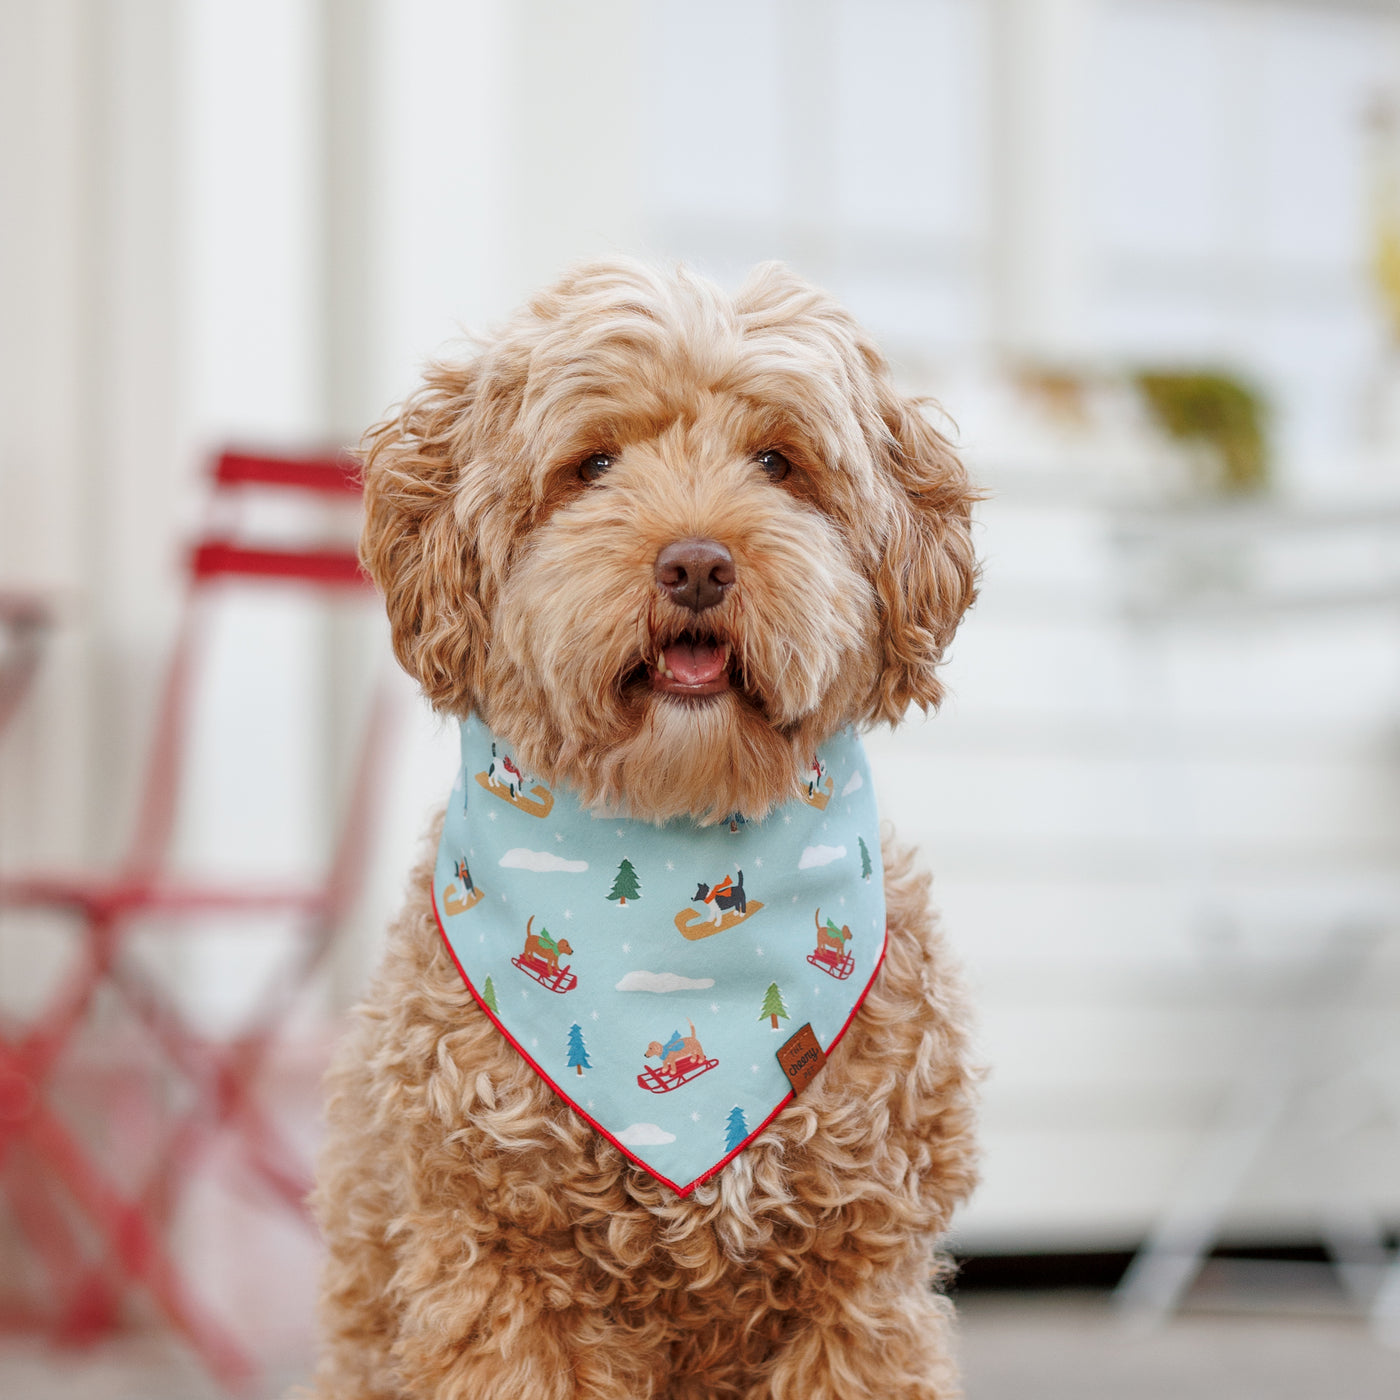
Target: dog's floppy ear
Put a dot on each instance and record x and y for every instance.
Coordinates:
(413, 545)
(927, 576)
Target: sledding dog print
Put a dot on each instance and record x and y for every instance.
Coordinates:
(815, 789)
(722, 906)
(470, 897)
(540, 959)
(682, 1059)
(831, 955)
(504, 779)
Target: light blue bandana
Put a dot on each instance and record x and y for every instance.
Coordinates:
(650, 974)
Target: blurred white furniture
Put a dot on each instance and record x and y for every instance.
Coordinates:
(1302, 1079)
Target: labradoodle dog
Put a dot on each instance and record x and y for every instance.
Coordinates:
(665, 542)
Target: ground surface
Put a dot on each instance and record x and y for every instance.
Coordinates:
(1057, 1348)
(1015, 1347)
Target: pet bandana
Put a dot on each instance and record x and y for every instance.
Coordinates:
(674, 982)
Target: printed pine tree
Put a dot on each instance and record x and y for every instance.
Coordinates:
(488, 995)
(735, 1130)
(864, 857)
(578, 1052)
(626, 885)
(773, 1005)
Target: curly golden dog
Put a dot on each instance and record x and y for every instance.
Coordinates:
(665, 542)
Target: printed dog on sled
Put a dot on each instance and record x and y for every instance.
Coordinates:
(726, 895)
(544, 948)
(505, 773)
(679, 1051)
(830, 938)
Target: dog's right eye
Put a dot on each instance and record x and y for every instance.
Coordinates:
(774, 464)
(594, 465)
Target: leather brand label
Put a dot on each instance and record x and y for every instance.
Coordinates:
(801, 1057)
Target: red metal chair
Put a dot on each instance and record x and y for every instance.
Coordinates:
(47, 1173)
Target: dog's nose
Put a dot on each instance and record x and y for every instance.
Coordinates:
(697, 573)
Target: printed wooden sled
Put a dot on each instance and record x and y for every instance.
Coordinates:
(829, 963)
(541, 805)
(451, 904)
(694, 924)
(820, 798)
(556, 979)
(683, 1071)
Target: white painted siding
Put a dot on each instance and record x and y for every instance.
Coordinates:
(257, 220)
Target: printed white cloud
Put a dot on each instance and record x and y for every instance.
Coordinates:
(663, 982)
(540, 862)
(645, 1135)
(820, 855)
(853, 784)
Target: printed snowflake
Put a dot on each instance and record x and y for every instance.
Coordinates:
(504, 900)
(568, 913)
(558, 835)
(758, 950)
(714, 1007)
(594, 1015)
(590, 1103)
(492, 815)
(841, 899)
(758, 860)
(471, 851)
(794, 899)
(534, 1043)
(754, 1068)
(816, 991)
(524, 992)
(694, 1117)
(670, 865)
(787, 818)
(620, 831)
(626, 947)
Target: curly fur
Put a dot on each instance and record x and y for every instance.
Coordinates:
(484, 1241)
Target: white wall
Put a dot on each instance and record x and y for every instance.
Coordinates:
(256, 219)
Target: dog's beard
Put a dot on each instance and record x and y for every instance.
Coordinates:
(575, 650)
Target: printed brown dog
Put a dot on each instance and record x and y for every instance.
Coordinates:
(688, 1051)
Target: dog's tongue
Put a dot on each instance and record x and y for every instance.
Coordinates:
(695, 663)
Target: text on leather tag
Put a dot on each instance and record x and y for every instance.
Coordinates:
(801, 1056)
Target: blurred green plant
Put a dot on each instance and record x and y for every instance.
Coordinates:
(1382, 121)
(1218, 411)
(1385, 268)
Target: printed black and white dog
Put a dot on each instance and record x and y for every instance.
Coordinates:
(726, 896)
(504, 773)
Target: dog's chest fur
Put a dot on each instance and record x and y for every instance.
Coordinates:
(469, 1156)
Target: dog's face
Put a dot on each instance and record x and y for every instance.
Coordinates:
(666, 541)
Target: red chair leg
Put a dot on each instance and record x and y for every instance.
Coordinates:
(134, 1247)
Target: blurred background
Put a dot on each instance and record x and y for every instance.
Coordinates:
(1146, 253)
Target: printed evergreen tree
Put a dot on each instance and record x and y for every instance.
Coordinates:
(773, 1005)
(488, 995)
(626, 885)
(578, 1052)
(735, 1130)
(864, 858)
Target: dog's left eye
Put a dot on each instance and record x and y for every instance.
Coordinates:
(594, 465)
(775, 464)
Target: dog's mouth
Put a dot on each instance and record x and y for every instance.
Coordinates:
(693, 664)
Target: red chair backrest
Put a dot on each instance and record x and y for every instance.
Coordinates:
(332, 476)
